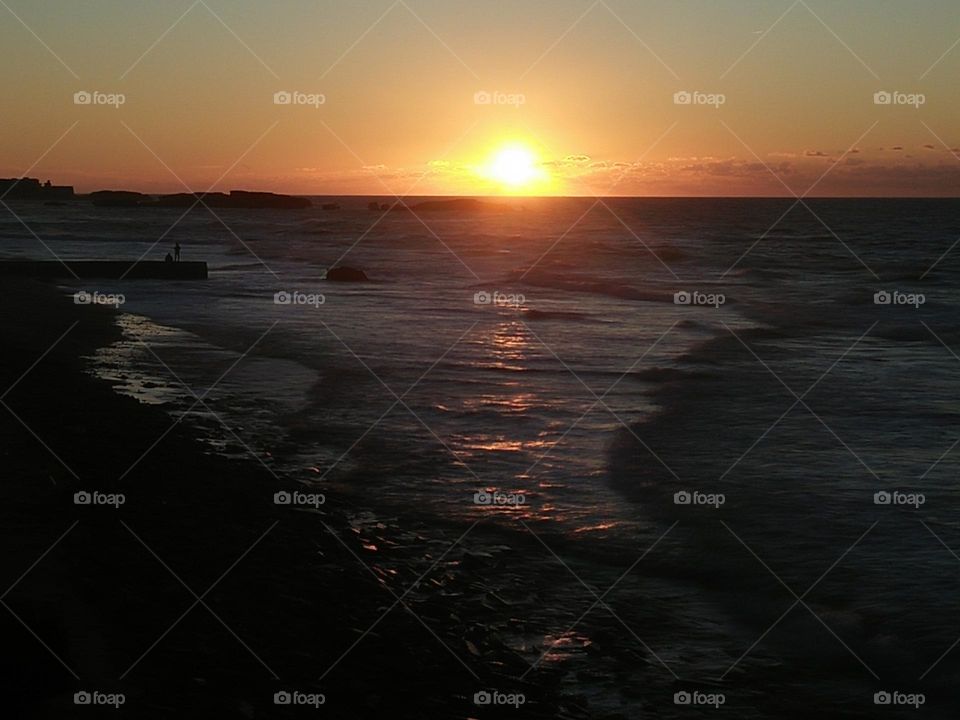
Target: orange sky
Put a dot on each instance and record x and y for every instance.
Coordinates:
(419, 96)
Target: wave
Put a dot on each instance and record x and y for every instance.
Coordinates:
(534, 314)
(593, 285)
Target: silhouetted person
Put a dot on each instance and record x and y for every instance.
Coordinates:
(168, 258)
(176, 252)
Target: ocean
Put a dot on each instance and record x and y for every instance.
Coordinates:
(700, 446)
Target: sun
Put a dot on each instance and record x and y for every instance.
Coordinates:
(515, 167)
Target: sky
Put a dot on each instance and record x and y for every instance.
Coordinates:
(478, 97)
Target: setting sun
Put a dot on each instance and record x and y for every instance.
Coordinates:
(516, 167)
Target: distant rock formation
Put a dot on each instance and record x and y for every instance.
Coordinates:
(31, 189)
(346, 274)
(240, 199)
(119, 198)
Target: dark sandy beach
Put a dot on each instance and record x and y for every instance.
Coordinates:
(199, 597)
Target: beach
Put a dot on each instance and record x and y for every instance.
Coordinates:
(269, 598)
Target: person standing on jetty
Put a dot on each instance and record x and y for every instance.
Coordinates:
(176, 252)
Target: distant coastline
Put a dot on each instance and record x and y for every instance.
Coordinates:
(31, 189)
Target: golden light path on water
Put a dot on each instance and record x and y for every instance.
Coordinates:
(510, 348)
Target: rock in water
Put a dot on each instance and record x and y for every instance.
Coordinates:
(346, 274)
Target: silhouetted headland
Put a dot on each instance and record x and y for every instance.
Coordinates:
(107, 269)
(236, 199)
(32, 189)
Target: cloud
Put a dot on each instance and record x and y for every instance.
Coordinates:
(856, 176)
(571, 161)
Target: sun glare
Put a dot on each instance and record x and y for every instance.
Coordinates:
(516, 168)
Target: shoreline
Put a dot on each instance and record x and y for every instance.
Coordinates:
(288, 599)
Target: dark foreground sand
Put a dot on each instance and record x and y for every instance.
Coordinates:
(290, 606)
